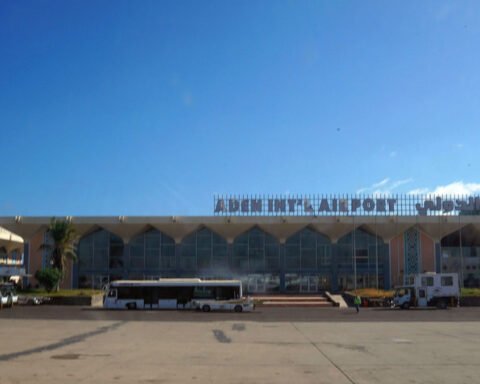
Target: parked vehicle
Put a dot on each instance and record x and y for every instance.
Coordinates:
(32, 300)
(9, 296)
(169, 293)
(3, 300)
(428, 289)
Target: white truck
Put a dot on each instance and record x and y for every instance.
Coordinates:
(428, 289)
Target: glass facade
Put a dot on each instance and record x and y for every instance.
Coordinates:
(367, 249)
(3, 256)
(100, 259)
(307, 262)
(460, 253)
(307, 250)
(204, 252)
(255, 251)
(12, 258)
(150, 253)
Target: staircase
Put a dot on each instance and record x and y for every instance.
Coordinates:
(292, 301)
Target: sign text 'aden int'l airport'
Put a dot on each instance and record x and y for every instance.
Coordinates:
(332, 205)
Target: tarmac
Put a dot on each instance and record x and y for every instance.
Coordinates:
(55, 344)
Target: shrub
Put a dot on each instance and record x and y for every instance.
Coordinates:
(49, 278)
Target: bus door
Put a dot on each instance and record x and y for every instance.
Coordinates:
(154, 297)
(167, 297)
(150, 297)
(112, 297)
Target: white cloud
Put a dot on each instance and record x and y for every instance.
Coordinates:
(401, 182)
(384, 187)
(383, 182)
(419, 191)
(455, 188)
(393, 153)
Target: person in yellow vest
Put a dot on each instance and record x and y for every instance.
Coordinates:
(357, 301)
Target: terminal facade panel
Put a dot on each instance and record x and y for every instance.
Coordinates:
(301, 254)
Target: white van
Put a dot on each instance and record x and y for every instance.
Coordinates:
(428, 289)
(8, 296)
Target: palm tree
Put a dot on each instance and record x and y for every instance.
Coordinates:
(59, 241)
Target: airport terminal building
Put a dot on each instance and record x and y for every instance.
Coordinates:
(291, 244)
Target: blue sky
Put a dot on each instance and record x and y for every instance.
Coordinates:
(149, 108)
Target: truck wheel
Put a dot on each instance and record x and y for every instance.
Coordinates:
(206, 308)
(238, 308)
(406, 306)
(442, 304)
(132, 306)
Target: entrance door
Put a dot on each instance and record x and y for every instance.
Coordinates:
(256, 284)
(100, 281)
(309, 284)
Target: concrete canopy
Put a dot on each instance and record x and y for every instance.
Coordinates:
(178, 227)
(386, 227)
(335, 227)
(439, 226)
(10, 241)
(25, 227)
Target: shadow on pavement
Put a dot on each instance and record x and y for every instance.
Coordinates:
(296, 314)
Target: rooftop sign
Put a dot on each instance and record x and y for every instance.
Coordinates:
(344, 205)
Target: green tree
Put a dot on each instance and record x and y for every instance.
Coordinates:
(60, 244)
(49, 278)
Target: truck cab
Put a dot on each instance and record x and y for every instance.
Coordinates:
(404, 297)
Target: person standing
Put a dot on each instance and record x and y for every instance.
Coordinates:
(357, 301)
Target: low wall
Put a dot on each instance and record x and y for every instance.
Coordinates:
(470, 301)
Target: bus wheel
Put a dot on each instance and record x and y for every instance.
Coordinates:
(406, 306)
(238, 308)
(206, 308)
(132, 306)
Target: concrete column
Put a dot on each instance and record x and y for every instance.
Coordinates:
(230, 256)
(282, 266)
(26, 262)
(75, 275)
(126, 259)
(334, 267)
(178, 254)
(438, 257)
(386, 269)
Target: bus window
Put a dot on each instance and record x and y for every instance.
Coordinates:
(204, 292)
(130, 293)
(124, 293)
(165, 293)
(112, 293)
(225, 293)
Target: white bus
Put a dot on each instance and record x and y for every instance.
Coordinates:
(169, 293)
